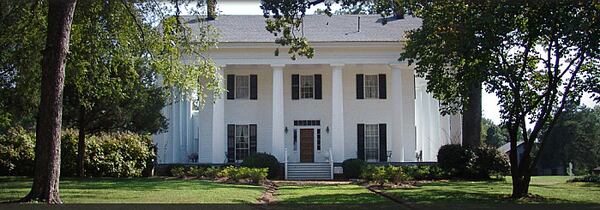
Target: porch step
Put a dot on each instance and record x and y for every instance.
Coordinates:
(309, 171)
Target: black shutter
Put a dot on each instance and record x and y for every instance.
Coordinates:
(382, 143)
(253, 87)
(360, 145)
(359, 86)
(252, 139)
(382, 87)
(230, 143)
(295, 87)
(230, 86)
(318, 88)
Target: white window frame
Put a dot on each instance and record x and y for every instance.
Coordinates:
(239, 78)
(301, 86)
(374, 136)
(236, 142)
(371, 91)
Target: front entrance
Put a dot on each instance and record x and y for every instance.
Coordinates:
(307, 143)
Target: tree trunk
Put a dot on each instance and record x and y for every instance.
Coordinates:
(81, 143)
(47, 140)
(471, 121)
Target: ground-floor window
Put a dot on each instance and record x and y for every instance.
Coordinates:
(241, 141)
(371, 142)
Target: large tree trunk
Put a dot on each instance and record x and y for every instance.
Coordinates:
(47, 140)
(471, 121)
(81, 143)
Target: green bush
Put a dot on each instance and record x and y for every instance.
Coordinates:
(235, 174)
(480, 163)
(376, 174)
(395, 174)
(456, 160)
(178, 171)
(212, 172)
(17, 152)
(588, 178)
(196, 171)
(490, 162)
(263, 160)
(353, 168)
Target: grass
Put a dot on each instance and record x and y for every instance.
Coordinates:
(554, 190)
(328, 194)
(137, 190)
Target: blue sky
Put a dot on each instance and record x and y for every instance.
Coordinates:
(251, 7)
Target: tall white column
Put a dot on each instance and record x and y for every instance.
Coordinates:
(403, 124)
(398, 147)
(219, 140)
(337, 113)
(408, 125)
(175, 133)
(278, 120)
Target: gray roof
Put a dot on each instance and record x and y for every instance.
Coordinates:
(317, 28)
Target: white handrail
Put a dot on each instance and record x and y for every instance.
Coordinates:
(331, 162)
(285, 162)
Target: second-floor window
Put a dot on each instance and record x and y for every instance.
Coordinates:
(242, 86)
(307, 86)
(371, 86)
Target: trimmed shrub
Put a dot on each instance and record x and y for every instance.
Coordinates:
(235, 174)
(456, 160)
(490, 162)
(263, 160)
(353, 168)
(376, 174)
(17, 152)
(196, 171)
(178, 171)
(395, 174)
(588, 178)
(212, 172)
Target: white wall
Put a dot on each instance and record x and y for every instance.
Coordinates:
(432, 130)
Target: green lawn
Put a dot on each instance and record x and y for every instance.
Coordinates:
(328, 194)
(554, 189)
(137, 190)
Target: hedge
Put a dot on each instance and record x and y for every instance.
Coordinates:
(107, 155)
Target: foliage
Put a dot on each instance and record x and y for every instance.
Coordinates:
(196, 171)
(588, 178)
(374, 173)
(263, 160)
(178, 171)
(16, 152)
(490, 162)
(212, 172)
(424, 172)
(353, 168)
(456, 160)
(575, 139)
(493, 135)
(111, 155)
(479, 163)
(120, 154)
(235, 174)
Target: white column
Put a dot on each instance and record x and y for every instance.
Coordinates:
(337, 113)
(278, 138)
(398, 148)
(175, 133)
(219, 140)
(409, 135)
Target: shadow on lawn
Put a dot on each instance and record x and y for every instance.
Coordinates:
(329, 199)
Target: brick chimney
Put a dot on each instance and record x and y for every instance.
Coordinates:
(211, 9)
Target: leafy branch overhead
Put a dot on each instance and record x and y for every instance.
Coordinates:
(285, 19)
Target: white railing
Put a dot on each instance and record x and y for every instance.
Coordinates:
(331, 162)
(285, 162)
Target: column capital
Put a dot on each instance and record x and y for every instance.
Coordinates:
(277, 66)
(399, 66)
(339, 65)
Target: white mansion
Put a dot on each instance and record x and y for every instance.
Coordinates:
(352, 100)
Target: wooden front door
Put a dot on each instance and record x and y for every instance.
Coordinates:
(307, 143)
